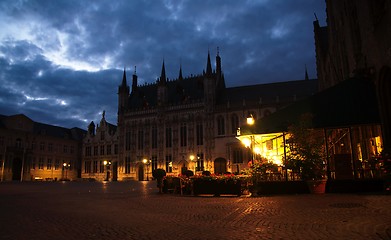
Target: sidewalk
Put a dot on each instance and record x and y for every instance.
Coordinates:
(134, 210)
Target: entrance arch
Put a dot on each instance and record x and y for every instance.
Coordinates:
(141, 173)
(16, 168)
(220, 166)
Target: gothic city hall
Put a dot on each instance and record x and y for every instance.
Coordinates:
(187, 123)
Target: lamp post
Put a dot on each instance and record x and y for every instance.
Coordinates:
(192, 159)
(147, 162)
(250, 122)
(66, 166)
(107, 166)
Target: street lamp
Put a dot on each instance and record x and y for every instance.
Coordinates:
(250, 122)
(66, 166)
(147, 162)
(107, 166)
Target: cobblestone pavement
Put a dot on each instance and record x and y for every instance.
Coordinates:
(134, 210)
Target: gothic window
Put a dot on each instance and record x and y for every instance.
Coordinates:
(18, 143)
(199, 134)
(49, 164)
(168, 137)
(234, 123)
(87, 167)
(95, 167)
(108, 149)
(237, 156)
(140, 142)
(183, 135)
(50, 147)
(56, 164)
(95, 150)
(127, 140)
(154, 137)
(40, 163)
(115, 148)
(200, 162)
(220, 126)
(154, 163)
(168, 163)
(102, 135)
(102, 150)
(127, 165)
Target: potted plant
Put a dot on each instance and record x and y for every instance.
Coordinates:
(307, 153)
(159, 174)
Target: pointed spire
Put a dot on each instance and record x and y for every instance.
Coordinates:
(180, 72)
(163, 74)
(124, 78)
(134, 83)
(306, 73)
(208, 66)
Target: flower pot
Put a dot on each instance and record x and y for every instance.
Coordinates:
(317, 186)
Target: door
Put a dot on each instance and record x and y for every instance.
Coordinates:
(141, 173)
(16, 169)
(220, 166)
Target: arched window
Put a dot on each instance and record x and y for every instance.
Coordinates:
(220, 125)
(234, 123)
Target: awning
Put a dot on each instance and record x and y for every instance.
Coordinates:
(350, 103)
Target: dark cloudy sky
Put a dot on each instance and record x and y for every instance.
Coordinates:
(61, 61)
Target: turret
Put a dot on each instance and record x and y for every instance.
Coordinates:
(162, 97)
(123, 94)
(134, 82)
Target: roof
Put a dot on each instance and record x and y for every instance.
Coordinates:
(268, 93)
(350, 103)
(191, 89)
(42, 128)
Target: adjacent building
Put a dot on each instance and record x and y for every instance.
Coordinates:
(36, 151)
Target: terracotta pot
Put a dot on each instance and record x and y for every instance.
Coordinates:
(317, 186)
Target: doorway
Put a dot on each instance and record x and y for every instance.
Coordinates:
(220, 166)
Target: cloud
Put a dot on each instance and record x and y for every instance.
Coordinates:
(61, 61)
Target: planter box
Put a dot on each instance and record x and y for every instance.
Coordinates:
(216, 187)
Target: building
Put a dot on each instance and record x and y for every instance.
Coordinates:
(100, 151)
(356, 43)
(188, 122)
(37, 151)
(352, 107)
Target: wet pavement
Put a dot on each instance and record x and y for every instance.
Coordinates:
(135, 210)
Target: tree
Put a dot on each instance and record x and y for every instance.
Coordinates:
(307, 150)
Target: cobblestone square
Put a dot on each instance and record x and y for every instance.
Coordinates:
(135, 210)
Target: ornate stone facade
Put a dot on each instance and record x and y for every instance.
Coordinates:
(191, 123)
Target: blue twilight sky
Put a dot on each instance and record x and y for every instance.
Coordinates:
(61, 61)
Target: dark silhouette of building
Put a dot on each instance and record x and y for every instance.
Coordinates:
(36, 151)
(356, 44)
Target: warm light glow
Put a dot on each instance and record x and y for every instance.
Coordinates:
(192, 157)
(246, 142)
(105, 162)
(145, 160)
(64, 164)
(250, 120)
(257, 150)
